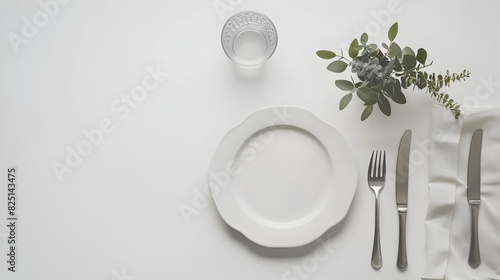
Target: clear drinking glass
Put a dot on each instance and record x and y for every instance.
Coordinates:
(249, 38)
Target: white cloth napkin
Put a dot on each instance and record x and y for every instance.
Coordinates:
(448, 218)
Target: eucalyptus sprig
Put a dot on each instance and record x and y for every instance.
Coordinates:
(381, 75)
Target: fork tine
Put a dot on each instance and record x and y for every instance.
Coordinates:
(380, 164)
(370, 174)
(377, 162)
(383, 167)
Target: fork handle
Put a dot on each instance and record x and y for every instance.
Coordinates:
(402, 260)
(376, 252)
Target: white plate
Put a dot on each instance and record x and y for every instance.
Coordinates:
(282, 177)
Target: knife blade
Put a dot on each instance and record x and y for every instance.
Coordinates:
(402, 167)
(474, 194)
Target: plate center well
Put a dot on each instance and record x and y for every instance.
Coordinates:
(285, 176)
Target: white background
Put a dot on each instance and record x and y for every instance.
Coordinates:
(116, 215)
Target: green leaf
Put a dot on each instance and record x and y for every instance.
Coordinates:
(396, 49)
(358, 47)
(345, 101)
(403, 83)
(397, 65)
(421, 80)
(366, 112)
(385, 46)
(367, 95)
(409, 61)
(352, 51)
(344, 85)
(421, 56)
(393, 31)
(364, 38)
(337, 66)
(408, 51)
(396, 94)
(376, 89)
(384, 105)
(390, 54)
(326, 54)
(372, 47)
(390, 67)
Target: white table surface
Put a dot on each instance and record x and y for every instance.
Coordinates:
(116, 214)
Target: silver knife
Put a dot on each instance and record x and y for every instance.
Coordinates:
(474, 194)
(402, 167)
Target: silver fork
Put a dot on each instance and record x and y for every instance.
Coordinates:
(376, 181)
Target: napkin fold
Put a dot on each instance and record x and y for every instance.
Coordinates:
(448, 219)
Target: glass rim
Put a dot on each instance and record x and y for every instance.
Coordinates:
(239, 60)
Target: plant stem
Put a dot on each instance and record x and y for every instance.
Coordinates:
(347, 59)
(424, 66)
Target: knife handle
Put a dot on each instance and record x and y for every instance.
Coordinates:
(402, 261)
(474, 256)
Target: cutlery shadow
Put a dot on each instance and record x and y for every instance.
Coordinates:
(294, 252)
